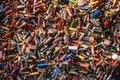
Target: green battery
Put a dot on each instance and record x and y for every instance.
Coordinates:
(73, 1)
(99, 44)
(73, 23)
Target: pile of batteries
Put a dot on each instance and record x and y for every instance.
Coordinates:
(59, 39)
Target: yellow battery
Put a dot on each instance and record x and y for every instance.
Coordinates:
(34, 73)
(66, 31)
(72, 29)
(81, 57)
(56, 50)
(56, 75)
(19, 38)
(93, 3)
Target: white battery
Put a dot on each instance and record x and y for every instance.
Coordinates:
(72, 47)
(116, 57)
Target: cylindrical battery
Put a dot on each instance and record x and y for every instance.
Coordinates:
(116, 57)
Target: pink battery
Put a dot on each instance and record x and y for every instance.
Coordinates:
(69, 12)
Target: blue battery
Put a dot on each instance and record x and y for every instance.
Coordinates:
(95, 13)
(88, 78)
(66, 1)
(53, 73)
(3, 65)
(42, 65)
(59, 71)
(68, 57)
